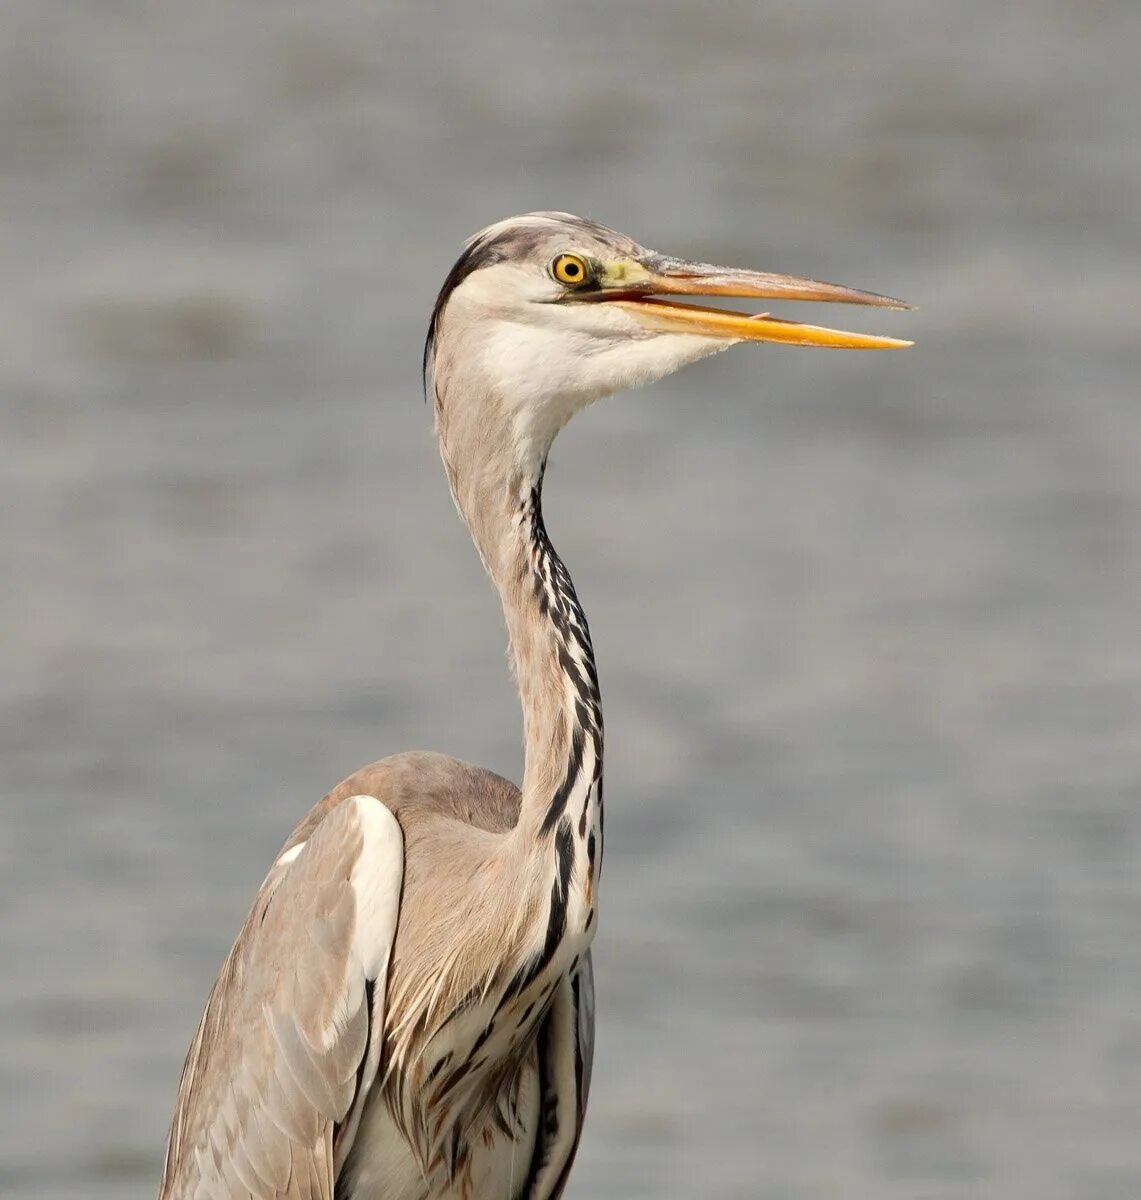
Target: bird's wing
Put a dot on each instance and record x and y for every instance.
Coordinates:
(566, 1055)
(290, 1041)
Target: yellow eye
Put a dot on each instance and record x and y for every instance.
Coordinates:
(571, 270)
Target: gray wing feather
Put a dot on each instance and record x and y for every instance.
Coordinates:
(280, 1061)
(584, 990)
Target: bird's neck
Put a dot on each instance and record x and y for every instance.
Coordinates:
(550, 644)
(555, 672)
(495, 463)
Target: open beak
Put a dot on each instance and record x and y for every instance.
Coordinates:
(639, 291)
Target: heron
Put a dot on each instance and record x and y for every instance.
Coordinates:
(408, 1010)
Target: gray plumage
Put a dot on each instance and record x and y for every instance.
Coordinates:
(282, 1052)
(408, 1010)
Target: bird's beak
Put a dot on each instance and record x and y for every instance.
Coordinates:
(638, 288)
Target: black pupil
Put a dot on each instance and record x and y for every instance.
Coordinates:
(570, 269)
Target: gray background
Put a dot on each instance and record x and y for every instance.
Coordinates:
(867, 625)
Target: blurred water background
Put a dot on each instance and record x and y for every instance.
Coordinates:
(867, 625)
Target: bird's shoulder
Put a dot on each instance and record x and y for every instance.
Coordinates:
(420, 787)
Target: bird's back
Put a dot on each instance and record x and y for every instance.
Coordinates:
(428, 785)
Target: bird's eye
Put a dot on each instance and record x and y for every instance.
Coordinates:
(570, 269)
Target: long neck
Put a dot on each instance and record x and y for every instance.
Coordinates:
(494, 453)
(501, 503)
(558, 683)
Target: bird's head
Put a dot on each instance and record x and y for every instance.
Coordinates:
(545, 313)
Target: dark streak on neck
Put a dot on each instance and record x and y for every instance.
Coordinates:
(559, 603)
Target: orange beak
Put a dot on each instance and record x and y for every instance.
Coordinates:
(637, 287)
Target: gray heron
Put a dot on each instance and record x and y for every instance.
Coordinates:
(408, 1011)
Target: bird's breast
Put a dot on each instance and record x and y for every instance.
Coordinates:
(483, 1148)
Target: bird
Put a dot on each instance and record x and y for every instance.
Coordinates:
(408, 1010)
